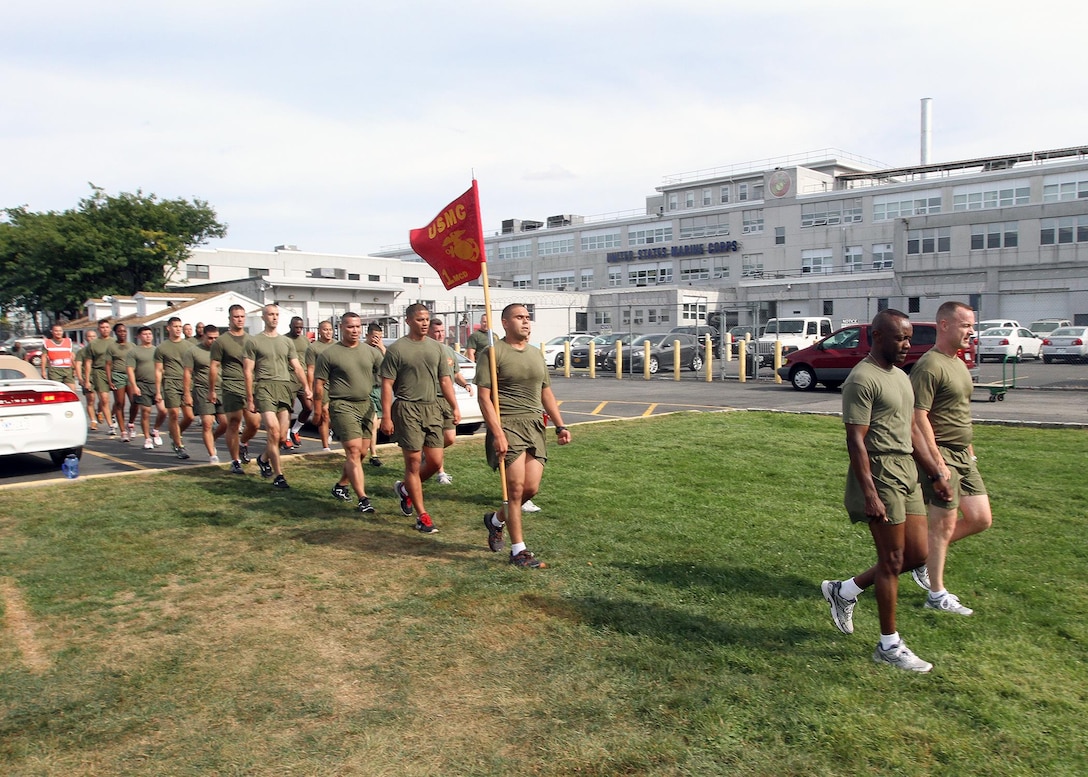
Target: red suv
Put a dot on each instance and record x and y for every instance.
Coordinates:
(830, 360)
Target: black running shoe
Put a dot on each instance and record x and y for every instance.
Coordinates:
(236, 468)
(494, 534)
(295, 439)
(280, 482)
(365, 506)
(243, 451)
(341, 492)
(375, 461)
(526, 560)
(402, 495)
(266, 467)
(425, 525)
(180, 452)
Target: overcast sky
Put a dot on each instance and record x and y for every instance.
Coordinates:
(339, 126)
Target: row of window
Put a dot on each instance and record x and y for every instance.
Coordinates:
(705, 197)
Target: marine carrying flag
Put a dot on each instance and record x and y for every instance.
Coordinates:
(453, 243)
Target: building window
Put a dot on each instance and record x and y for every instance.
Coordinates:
(693, 311)
(600, 241)
(674, 201)
(742, 192)
(638, 317)
(643, 235)
(1057, 188)
(983, 196)
(602, 318)
(556, 281)
(689, 199)
(914, 304)
(881, 303)
(258, 272)
(780, 236)
(410, 279)
(523, 281)
(373, 277)
(197, 271)
(713, 225)
(817, 260)
(694, 270)
(1000, 235)
(821, 214)
(721, 271)
(883, 256)
(520, 249)
(723, 194)
(852, 259)
(829, 307)
(889, 206)
(615, 276)
(708, 197)
(586, 279)
(353, 276)
(1068, 229)
(753, 222)
(757, 191)
(562, 245)
(751, 265)
(929, 241)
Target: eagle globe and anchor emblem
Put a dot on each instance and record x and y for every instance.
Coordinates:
(457, 246)
(780, 183)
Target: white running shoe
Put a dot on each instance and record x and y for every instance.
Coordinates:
(444, 479)
(900, 656)
(920, 575)
(148, 445)
(528, 507)
(156, 438)
(842, 609)
(947, 603)
(213, 459)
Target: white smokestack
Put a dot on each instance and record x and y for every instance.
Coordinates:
(927, 129)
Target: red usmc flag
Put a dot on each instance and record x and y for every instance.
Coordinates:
(453, 243)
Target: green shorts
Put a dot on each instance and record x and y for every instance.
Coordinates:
(447, 414)
(172, 392)
(896, 479)
(524, 434)
(120, 380)
(233, 401)
(201, 405)
(60, 374)
(352, 420)
(146, 397)
(99, 382)
(272, 396)
(417, 425)
(965, 479)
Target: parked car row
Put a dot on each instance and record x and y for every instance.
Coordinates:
(26, 348)
(1068, 344)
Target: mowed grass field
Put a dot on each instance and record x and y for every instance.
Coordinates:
(195, 623)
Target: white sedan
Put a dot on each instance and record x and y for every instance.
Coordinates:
(38, 416)
(1010, 343)
(1069, 343)
(554, 349)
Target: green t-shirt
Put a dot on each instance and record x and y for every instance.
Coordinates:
(271, 357)
(415, 367)
(521, 375)
(142, 361)
(301, 344)
(478, 341)
(882, 400)
(98, 352)
(230, 351)
(349, 373)
(198, 359)
(170, 355)
(942, 387)
(119, 357)
(316, 349)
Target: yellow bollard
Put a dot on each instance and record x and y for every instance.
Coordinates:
(566, 359)
(646, 360)
(777, 360)
(708, 362)
(592, 359)
(728, 347)
(619, 360)
(742, 363)
(676, 360)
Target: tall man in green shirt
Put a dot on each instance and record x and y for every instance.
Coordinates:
(140, 366)
(226, 375)
(317, 347)
(117, 376)
(205, 404)
(943, 430)
(412, 372)
(170, 383)
(96, 355)
(344, 374)
(269, 363)
(478, 340)
(515, 429)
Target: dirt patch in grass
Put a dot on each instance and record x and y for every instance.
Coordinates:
(21, 628)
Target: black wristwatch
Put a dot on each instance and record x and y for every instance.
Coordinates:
(559, 430)
(934, 478)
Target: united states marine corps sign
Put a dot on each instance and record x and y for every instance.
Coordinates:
(453, 242)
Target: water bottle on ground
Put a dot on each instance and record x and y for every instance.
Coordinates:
(70, 467)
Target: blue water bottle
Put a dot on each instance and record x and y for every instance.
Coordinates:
(70, 467)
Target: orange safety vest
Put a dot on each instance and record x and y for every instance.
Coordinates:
(60, 354)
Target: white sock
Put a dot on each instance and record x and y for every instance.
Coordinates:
(496, 522)
(517, 548)
(935, 595)
(296, 428)
(887, 641)
(849, 589)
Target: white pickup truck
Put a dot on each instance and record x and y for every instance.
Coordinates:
(794, 333)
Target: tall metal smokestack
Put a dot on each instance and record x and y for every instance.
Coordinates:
(927, 129)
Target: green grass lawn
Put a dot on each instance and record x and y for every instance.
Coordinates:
(195, 623)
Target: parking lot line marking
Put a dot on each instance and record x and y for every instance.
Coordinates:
(114, 459)
(649, 410)
(598, 408)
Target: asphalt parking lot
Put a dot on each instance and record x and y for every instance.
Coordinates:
(1044, 395)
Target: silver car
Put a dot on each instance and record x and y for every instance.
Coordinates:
(1069, 344)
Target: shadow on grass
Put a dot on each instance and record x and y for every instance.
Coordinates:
(744, 581)
(385, 541)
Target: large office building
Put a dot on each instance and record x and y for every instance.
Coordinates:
(825, 233)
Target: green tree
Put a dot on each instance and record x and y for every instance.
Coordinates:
(53, 262)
